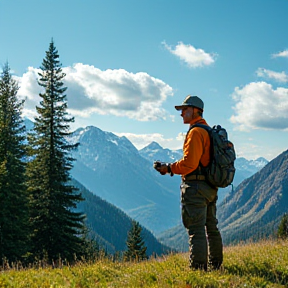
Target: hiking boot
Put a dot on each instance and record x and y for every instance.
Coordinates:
(198, 266)
(215, 265)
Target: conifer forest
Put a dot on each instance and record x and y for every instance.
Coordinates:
(38, 219)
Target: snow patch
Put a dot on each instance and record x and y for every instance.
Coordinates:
(114, 141)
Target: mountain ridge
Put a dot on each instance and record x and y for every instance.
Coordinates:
(111, 167)
(260, 200)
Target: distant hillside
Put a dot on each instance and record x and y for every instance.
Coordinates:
(176, 238)
(110, 225)
(244, 169)
(259, 202)
(112, 168)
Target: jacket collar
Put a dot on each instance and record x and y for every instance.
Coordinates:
(198, 120)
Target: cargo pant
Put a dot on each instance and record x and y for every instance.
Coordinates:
(198, 201)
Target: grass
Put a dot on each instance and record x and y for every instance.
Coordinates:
(263, 264)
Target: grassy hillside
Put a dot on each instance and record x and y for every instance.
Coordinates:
(263, 264)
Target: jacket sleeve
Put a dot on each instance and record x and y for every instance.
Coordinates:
(192, 152)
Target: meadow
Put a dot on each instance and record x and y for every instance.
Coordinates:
(263, 264)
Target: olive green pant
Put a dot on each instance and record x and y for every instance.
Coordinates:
(198, 201)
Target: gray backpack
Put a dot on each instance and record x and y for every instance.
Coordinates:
(220, 171)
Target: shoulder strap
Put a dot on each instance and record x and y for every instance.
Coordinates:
(206, 127)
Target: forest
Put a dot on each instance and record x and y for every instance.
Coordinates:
(38, 215)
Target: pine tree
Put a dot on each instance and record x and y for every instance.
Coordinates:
(283, 227)
(56, 227)
(13, 194)
(136, 249)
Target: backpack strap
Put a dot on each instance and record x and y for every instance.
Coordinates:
(200, 170)
(206, 127)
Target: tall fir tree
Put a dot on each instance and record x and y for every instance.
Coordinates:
(136, 249)
(283, 227)
(56, 227)
(13, 193)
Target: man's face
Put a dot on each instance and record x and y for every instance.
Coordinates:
(187, 114)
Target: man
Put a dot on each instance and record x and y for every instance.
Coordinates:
(198, 198)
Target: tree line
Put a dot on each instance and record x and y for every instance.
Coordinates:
(38, 219)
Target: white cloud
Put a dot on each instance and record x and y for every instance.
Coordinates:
(248, 151)
(251, 151)
(278, 76)
(142, 140)
(29, 91)
(259, 106)
(134, 95)
(281, 54)
(192, 56)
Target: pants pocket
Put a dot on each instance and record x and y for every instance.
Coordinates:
(188, 192)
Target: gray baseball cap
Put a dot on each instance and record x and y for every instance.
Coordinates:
(193, 101)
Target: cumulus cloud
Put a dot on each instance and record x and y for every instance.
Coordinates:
(29, 91)
(142, 140)
(118, 92)
(259, 106)
(278, 76)
(192, 56)
(280, 54)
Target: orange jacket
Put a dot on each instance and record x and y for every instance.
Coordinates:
(196, 149)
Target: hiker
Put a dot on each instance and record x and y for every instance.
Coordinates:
(198, 198)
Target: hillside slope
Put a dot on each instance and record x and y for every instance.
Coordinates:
(110, 225)
(255, 208)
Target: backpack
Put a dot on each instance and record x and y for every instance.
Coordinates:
(220, 171)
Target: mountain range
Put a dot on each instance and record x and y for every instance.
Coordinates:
(112, 168)
(154, 152)
(118, 174)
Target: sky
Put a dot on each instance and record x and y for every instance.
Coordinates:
(129, 62)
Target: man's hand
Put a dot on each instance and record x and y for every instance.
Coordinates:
(162, 168)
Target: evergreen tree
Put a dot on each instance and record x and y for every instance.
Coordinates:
(13, 194)
(136, 249)
(56, 228)
(283, 227)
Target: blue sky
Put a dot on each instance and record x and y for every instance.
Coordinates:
(129, 62)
